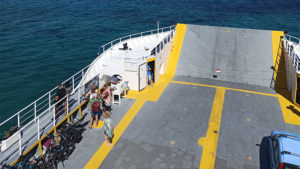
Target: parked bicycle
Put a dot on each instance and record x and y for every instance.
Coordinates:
(54, 152)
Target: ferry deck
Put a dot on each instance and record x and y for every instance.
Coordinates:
(219, 96)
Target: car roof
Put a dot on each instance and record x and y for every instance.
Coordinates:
(289, 147)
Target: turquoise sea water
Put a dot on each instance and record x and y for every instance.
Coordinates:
(45, 42)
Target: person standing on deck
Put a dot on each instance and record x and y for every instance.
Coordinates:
(95, 109)
(68, 87)
(106, 89)
(108, 127)
(106, 97)
(106, 102)
(61, 93)
(68, 91)
(94, 87)
(149, 76)
(93, 96)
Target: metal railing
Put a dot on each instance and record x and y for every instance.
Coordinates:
(290, 42)
(43, 115)
(106, 46)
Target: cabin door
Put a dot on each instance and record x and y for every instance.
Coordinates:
(142, 76)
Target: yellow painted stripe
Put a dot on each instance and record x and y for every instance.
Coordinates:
(275, 44)
(278, 61)
(210, 142)
(149, 94)
(227, 88)
(151, 59)
(104, 149)
(290, 112)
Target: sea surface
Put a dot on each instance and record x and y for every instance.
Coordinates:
(43, 42)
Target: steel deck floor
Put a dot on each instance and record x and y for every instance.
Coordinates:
(164, 134)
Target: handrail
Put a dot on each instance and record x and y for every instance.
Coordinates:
(291, 38)
(289, 50)
(31, 104)
(103, 47)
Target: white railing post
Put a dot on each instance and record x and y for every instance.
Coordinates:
(38, 127)
(103, 48)
(111, 44)
(129, 36)
(73, 83)
(54, 112)
(49, 100)
(35, 111)
(20, 143)
(141, 34)
(297, 64)
(78, 96)
(120, 39)
(18, 119)
(82, 74)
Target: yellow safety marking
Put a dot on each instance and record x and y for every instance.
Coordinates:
(80, 112)
(152, 94)
(41, 149)
(249, 158)
(290, 112)
(104, 149)
(275, 45)
(172, 142)
(151, 59)
(248, 119)
(227, 88)
(247, 95)
(278, 61)
(148, 94)
(100, 124)
(210, 141)
(185, 109)
(55, 134)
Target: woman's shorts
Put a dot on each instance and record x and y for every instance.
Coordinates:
(108, 108)
(149, 77)
(94, 113)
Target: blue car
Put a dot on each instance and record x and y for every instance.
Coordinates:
(281, 150)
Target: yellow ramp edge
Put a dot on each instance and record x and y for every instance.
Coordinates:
(289, 111)
(149, 94)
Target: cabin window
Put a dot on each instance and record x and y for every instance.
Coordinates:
(165, 40)
(153, 52)
(169, 38)
(158, 48)
(161, 45)
(171, 34)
